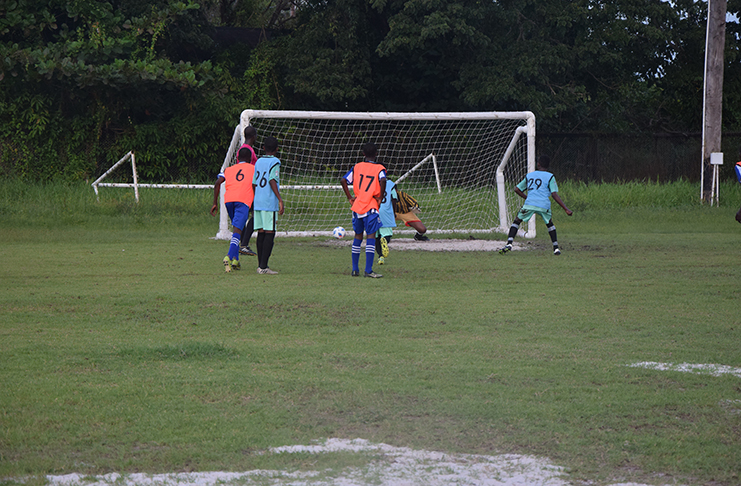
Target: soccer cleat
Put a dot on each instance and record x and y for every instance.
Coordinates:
(421, 237)
(267, 271)
(227, 264)
(384, 248)
(381, 260)
(246, 250)
(373, 275)
(235, 264)
(556, 251)
(506, 248)
(355, 273)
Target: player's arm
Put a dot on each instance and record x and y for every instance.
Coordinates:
(274, 187)
(557, 198)
(520, 193)
(346, 188)
(379, 198)
(217, 187)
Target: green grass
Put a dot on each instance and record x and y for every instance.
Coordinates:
(125, 347)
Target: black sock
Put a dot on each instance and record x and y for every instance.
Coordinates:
(267, 249)
(249, 227)
(552, 233)
(260, 248)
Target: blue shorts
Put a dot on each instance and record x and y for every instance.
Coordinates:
(238, 213)
(368, 224)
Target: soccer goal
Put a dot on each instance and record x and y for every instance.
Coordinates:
(461, 167)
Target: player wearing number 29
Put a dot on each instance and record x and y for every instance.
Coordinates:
(368, 179)
(238, 197)
(540, 186)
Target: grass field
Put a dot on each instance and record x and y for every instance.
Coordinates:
(124, 347)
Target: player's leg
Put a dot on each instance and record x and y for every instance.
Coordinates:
(237, 213)
(244, 244)
(513, 232)
(421, 230)
(551, 231)
(738, 215)
(267, 244)
(383, 236)
(257, 217)
(358, 228)
(266, 222)
(372, 225)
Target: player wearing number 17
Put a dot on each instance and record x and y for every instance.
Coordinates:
(540, 186)
(238, 197)
(368, 179)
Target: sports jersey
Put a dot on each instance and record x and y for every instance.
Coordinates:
(539, 185)
(238, 183)
(254, 157)
(267, 168)
(738, 171)
(365, 178)
(386, 210)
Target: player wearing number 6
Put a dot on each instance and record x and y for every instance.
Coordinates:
(540, 186)
(368, 179)
(238, 197)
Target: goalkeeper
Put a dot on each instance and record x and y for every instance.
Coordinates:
(397, 205)
(540, 186)
(405, 210)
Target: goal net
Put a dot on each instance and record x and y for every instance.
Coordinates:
(461, 167)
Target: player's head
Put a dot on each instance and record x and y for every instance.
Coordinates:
(370, 150)
(544, 161)
(270, 145)
(244, 155)
(249, 134)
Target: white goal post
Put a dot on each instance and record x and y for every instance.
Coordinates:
(136, 184)
(461, 167)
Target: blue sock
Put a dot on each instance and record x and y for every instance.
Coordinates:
(234, 247)
(370, 254)
(356, 254)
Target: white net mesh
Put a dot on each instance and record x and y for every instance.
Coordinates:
(447, 161)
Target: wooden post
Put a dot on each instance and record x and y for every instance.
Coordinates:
(712, 115)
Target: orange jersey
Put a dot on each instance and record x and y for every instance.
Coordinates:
(366, 186)
(238, 183)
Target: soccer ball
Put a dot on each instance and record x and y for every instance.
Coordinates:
(338, 232)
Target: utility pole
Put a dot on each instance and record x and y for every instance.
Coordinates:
(712, 104)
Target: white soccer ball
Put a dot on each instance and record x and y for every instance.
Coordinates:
(338, 232)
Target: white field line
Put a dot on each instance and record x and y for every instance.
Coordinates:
(386, 465)
(703, 369)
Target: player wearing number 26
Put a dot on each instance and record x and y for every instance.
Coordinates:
(238, 197)
(541, 187)
(268, 203)
(368, 179)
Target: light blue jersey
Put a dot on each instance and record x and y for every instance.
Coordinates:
(267, 168)
(538, 185)
(386, 211)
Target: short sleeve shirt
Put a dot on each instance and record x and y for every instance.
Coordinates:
(539, 185)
